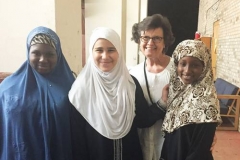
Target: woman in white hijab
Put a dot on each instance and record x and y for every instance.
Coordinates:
(110, 102)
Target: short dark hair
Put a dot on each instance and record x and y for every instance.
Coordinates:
(153, 22)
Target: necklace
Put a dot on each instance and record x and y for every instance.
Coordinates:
(146, 80)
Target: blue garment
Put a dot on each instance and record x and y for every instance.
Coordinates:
(35, 110)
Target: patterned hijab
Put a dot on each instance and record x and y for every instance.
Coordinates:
(196, 102)
(42, 39)
(105, 99)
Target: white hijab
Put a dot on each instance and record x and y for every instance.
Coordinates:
(105, 99)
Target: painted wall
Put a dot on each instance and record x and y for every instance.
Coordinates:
(134, 15)
(104, 13)
(119, 15)
(18, 18)
(228, 42)
(69, 28)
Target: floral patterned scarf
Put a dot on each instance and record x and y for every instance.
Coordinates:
(196, 102)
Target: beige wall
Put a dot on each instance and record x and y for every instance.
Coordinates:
(228, 42)
(134, 15)
(18, 18)
(69, 29)
(104, 13)
(119, 15)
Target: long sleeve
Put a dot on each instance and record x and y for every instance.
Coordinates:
(79, 139)
(146, 115)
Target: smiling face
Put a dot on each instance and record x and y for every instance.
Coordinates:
(43, 58)
(189, 69)
(152, 49)
(105, 55)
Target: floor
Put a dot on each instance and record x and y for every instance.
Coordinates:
(228, 146)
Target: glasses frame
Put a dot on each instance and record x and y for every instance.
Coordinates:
(155, 39)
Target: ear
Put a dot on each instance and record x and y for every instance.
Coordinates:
(164, 50)
(139, 41)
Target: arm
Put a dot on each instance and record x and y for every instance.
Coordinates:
(165, 94)
(79, 143)
(146, 115)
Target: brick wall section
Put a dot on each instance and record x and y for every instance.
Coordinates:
(228, 46)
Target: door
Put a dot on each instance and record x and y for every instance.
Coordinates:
(214, 47)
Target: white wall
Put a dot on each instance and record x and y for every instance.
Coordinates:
(119, 15)
(17, 19)
(134, 15)
(104, 13)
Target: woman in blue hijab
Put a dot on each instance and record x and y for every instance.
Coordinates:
(34, 106)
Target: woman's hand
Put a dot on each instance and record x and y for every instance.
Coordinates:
(165, 93)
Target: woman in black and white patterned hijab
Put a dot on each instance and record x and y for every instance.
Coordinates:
(192, 108)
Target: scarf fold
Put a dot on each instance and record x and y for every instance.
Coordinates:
(105, 99)
(35, 110)
(196, 102)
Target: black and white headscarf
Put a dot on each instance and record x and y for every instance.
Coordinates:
(42, 39)
(196, 102)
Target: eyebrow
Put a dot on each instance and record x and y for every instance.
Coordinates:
(103, 47)
(111, 48)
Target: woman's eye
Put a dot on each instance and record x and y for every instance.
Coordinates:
(196, 65)
(181, 64)
(157, 38)
(146, 38)
(50, 54)
(111, 50)
(35, 53)
(98, 50)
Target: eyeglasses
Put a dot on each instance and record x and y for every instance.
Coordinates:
(146, 39)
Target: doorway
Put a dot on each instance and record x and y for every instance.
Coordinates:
(214, 47)
(182, 14)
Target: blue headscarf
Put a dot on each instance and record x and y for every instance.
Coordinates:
(34, 110)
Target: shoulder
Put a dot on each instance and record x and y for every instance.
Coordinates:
(137, 70)
(136, 81)
(170, 64)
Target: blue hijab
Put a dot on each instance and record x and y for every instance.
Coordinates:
(35, 110)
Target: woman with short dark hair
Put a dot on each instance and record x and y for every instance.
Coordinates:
(154, 36)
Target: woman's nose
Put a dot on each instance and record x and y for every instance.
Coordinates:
(104, 55)
(42, 58)
(150, 41)
(187, 69)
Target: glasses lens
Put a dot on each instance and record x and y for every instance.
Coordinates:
(157, 39)
(145, 38)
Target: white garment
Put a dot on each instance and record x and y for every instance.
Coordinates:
(105, 99)
(151, 138)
